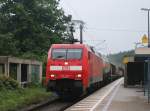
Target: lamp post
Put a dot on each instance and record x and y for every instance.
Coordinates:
(147, 9)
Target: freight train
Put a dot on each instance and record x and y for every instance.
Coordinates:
(74, 69)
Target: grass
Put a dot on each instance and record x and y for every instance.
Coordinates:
(12, 100)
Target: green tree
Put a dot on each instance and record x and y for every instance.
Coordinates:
(7, 44)
(31, 26)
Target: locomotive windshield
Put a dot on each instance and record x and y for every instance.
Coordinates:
(66, 54)
(59, 54)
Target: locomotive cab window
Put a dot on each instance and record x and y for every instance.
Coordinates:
(74, 53)
(59, 54)
(66, 53)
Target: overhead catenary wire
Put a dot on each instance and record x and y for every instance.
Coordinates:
(72, 9)
(114, 29)
(98, 29)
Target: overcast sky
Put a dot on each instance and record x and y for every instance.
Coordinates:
(119, 22)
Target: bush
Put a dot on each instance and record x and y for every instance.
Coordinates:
(8, 83)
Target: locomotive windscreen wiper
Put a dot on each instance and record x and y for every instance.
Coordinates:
(59, 57)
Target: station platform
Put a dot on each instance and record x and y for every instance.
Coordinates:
(114, 97)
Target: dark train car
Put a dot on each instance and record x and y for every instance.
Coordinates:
(106, 71)
(111, 72)
(73, 69)
(116, 72)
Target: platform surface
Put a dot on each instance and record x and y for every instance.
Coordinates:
(114, 97)
(124, 99)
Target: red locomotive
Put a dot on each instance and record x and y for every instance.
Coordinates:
(73, 69)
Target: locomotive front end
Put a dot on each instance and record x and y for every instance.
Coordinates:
(64, 73)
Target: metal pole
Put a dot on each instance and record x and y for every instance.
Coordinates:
(148, 32)
(148, 85)
(81, 36)
(148, 95)
(144, 77)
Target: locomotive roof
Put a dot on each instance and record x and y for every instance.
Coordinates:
(69, 45)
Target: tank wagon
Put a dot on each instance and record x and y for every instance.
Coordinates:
(73, 69)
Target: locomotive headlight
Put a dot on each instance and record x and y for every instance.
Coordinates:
(79, 75)
(52, 75)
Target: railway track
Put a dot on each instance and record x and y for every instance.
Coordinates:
(59, 104)
(56, 105)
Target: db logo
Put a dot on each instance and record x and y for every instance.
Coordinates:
(66, 68)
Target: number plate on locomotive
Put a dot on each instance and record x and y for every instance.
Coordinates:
(65, 68)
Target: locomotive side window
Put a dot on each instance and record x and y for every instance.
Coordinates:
(74, 53)
(59, 54)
